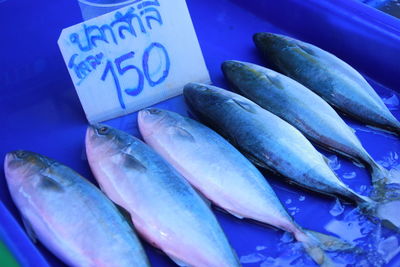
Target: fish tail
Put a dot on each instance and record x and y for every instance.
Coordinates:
(386, 184)
(317, 244)
(386, 211)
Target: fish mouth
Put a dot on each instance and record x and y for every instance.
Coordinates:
(196, 87)
(21, 155)
(26, 161)
(231, 65)
(94, 134)
(151, 120)
(10, 157)
(149, 115)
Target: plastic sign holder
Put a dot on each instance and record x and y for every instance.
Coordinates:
(132, 57)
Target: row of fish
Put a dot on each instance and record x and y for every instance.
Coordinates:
(162, 185)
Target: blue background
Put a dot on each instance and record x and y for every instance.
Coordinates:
(40, 110)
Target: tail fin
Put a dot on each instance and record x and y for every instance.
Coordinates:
(386, 184)
(317, 243)
(386, 211)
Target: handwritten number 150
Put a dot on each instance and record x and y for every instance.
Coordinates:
(119, 62)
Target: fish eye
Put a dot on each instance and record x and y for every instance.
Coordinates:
(103, 130)
(154, 111)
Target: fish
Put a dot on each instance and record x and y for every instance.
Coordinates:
(328, 76)
(310, 114)
(273, 144)
(69, 215)
(229, 180)
(163, 206)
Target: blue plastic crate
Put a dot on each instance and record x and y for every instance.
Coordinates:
(41, 111)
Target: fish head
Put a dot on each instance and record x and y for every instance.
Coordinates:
(153, 121)
(203, 97)
(271, 43)
(245, 77)
(289, 55)
(22, 166)
(210, 103)
(102, 141)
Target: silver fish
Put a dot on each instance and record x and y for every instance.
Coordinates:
(164, 208)
(328, 76)
(224, 176)
(272, 143)
(309, 113)
(69, 215)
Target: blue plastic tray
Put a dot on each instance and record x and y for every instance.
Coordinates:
(41, 111)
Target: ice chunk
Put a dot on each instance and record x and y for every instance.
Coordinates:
(258, 248)
(287, 237)
(389, 248)
(252, 258)
(392, 102)
(337, 208)
(334, 162)
(349, 175)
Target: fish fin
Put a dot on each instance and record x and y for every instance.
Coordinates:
(257, 162)
(327, 161)
(381, 130)
(317, 244)
(305, 52)
(131, 162)
(313, 248)
(243, 105)
(205, 199)
(352, 129)
(386, 184)
(50, 183)
(181, 133)
(388, 214)
(126, 215)
(178, 261)
(29, 230)
(385, 211)
(331, 243)
(235, 214)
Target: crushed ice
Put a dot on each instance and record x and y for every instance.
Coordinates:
(349, 175)
(390, 161)
(337, 208)
(376, 245)
(334, 162)
(392, 102)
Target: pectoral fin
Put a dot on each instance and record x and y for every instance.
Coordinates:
(178, 261)
(181, 133)
(133, 163)
(29, 230)
(246, 106)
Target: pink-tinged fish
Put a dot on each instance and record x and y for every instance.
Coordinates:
(164, 208)
(224, 176)
(69, 215)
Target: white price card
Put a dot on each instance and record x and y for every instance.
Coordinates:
(132, 57)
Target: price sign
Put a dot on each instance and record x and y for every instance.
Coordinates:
(133, 57)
